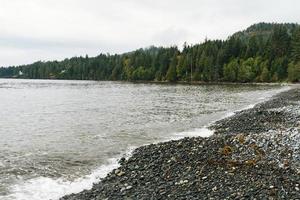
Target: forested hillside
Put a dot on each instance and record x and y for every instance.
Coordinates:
(264, 52)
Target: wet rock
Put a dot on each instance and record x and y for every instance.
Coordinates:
(122, 161)
(121, 173)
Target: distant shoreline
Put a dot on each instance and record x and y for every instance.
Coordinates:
(170, 83)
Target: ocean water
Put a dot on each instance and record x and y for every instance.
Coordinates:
(58, 137)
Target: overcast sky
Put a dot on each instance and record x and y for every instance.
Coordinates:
(32, 30)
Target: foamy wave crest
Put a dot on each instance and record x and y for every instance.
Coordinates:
(198, 132)
(47, 188)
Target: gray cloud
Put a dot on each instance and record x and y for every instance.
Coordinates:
(54, 29)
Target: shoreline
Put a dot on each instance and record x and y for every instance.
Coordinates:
(167, 82)
(247, 145)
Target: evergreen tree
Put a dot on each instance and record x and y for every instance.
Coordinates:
(230, 71)
(171, 74)
(245, 73)
(280, 42)
(294, 72)
(296, 45)
(181, 68)
(252, 48)
(265, 75)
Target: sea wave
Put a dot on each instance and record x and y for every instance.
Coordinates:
(49, 188)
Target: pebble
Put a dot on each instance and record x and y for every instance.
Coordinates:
(121, 173)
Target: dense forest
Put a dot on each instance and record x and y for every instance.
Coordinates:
(265, 52)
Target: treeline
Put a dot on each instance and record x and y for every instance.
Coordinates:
(262, 53)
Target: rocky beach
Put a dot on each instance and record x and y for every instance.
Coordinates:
(254, 154)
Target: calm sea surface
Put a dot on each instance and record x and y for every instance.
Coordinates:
(58, 137)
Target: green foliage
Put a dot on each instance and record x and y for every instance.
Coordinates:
(294, 72)
(142, 73)
(245, 73)
(279, 68)
(265, 75)
(296, 45)
(252, 47)
(230, 70)
(263, 52)
(181, 68)
(279, 42)
(172, 74)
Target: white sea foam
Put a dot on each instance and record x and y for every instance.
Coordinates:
(47, 188)
(198, 132)
(230, 114)
(44, 188)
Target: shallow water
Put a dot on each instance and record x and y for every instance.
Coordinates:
(58, 137)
